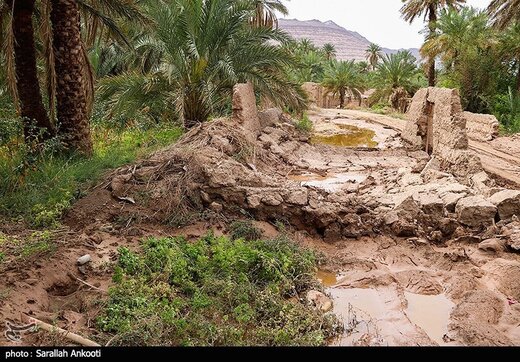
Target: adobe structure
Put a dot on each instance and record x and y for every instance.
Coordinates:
(437, 125)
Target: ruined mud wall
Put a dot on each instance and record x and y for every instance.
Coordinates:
(319, 97)
(436, 124)
(481, 127)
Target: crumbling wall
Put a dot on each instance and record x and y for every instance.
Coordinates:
(319, 96)
(436, 124)
(245, 111)
(481, 127)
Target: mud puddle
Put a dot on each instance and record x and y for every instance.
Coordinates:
(361, 310)
(387, 317)
(346, 136)
(431, 313)
(326, 278)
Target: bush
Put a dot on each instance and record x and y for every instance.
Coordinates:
(246, 230)
(305, 124)
(507, 109)
(213, 292)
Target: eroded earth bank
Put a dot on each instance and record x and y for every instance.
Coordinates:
(422, 247)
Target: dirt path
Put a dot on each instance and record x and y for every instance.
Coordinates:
(494, 159)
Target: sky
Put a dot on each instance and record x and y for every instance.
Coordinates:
(377, 20)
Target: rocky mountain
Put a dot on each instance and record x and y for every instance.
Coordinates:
(349, 44)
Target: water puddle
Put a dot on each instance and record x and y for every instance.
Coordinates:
(328, 279)
(431, 313)
(353, 137)
(360, 310)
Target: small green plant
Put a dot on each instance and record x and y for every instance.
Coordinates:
(38, 244)
(305, 124)
(246, 230)
(215, 292)
(2, 258)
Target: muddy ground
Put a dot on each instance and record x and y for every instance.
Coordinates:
(407, 265)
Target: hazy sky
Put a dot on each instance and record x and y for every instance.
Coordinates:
(377, 20)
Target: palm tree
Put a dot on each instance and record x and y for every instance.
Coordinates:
(330, 51)
(201, 48)
(395, 77)
(69, 65)
(306, 45)
(364, 67)
(265, 13)
(373, 54)
(509, 49)
(455, 31)
(413, 9)
(26, 88)
(504, 12)
(343, 78)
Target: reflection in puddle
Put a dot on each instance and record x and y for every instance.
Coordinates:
(328, 279)
(355, 137)
(431, 313)
(360, 310)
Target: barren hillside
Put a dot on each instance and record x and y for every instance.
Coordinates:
(349, 44)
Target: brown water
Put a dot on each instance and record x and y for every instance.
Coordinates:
(355, 137)
(431, 313)
(328, 279)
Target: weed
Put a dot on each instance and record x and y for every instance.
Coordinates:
(246, 230)
(305, 124)
(41, 187)
(2, 257)
(215, 291)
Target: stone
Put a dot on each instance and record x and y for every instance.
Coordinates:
(298, 197)
(431, 204)
(436, 236)
(245, 111)
(269, 117)
(451, 199)
(492, 245)
(475, 211)
(319, 301)
(507, 203)
(408, 208)
(391, 218)
(332, 233)
(254, 200)
(272, 199)
(84, 259)
(514, 242)
(448, 226)
(403, 228)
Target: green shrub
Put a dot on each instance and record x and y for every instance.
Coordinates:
(215, 291)
(305, 124)
(245, 229)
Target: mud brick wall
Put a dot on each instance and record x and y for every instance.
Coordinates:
(481, 127)
(319, 96)
(245, 111)
(436, 124)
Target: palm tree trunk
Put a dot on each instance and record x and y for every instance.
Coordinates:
(37, 125)
(341, 98)
(71, 102)
(432, 11)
